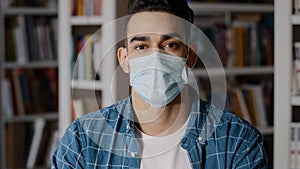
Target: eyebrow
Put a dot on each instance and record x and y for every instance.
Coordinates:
(140, 38)
(163, 37)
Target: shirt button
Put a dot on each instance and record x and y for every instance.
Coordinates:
(200, 138)
(132, 154)
(128, 126)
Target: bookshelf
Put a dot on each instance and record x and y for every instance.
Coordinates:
(226, 14)
(27, 80)
(72, 88)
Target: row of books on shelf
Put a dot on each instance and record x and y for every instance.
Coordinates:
(86, 7)
(237, 1)
(296, 6)
(296, 69)
(27, 91)
(30, 38)
(252, 102)
(87, 54)
(247, 41)
(30, 145)
(295, 146)
(29, 3)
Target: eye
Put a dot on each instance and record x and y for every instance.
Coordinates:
(171, 45)
(140, 47)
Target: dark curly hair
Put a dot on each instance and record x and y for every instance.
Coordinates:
(179, 8)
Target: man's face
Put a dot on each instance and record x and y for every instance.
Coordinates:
(149, 32)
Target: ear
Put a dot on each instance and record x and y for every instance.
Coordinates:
(192, 56)
(122, 53)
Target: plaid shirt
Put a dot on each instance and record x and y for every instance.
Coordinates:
(107, 138)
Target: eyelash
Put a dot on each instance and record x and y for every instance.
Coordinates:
(139, 46)
(175, 45)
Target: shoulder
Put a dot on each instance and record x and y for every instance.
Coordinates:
(231, 125)
(234, 136)
(104, 117)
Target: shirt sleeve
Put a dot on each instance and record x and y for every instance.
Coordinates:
(68, 152)
(251, 153)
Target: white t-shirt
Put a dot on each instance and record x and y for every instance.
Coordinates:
(164, 152)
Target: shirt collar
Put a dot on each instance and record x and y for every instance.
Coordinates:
(203, 121)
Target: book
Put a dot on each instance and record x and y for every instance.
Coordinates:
(24, 84)
(240, 46)
(97, 7)
(18, 92)
(33, 39)
(97, 56)
(81, 58)
(256, 104)
(87, 57)
(6, 95)
(296, 76)
(20, 37)
(88, 7)
(10, 48)
(295, 145)
(15, 145)
(80, 7)
(48, 49)
(239, 104)
(35, 143)
(249, 98)
(53, 142)
(48, 89)
(88, 50)
(246, 41)
(47, 144)
(296, 6)
(53, 27)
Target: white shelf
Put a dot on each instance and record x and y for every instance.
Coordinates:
(87, 20)
(230, 7)
(30, 11)
(41, 64)
(295, 100)
(87, 85)
(31, 118)
(268, 130)
(233, 71)
(296, 19)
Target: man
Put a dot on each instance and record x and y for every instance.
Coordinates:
(161, 125)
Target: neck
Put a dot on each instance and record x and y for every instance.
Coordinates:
(160, 121)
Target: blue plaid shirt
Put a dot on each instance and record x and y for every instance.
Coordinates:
(107, 139)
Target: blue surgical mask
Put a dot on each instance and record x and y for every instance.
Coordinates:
(158, 78)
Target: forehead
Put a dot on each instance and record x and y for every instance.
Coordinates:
(160, 23)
